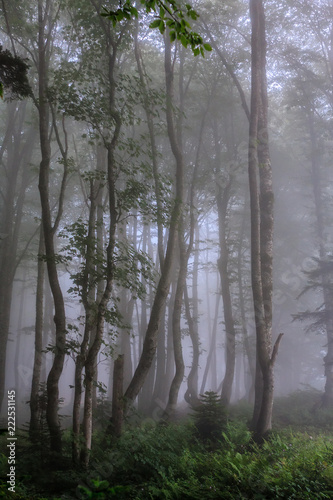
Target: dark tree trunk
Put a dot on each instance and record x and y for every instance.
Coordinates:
(191, 394)
(34, 426)
(117, 396)
(49, 230)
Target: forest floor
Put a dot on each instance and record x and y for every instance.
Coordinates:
(194, 458)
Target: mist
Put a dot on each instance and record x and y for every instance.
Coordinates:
(128, 214)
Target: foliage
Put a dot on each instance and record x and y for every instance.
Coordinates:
(167, 463)
(130, 264)
(171, 15)
(13, 75)
(209, 416)
(101, 490)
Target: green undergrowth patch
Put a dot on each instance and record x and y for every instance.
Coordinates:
(154, 462)
(210, 455)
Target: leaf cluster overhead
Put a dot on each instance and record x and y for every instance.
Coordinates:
(170, 16)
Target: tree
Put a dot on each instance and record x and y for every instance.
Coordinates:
(261, 203)
(46, 19)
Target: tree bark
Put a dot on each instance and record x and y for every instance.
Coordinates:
(261, 203)
(176, 333)
(34, 426)
(49, 230)
(223, 197)
(117, 396)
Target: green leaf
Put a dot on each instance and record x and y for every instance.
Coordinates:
(161, 27)
(184, 41)
(207, 47)
(155, 24)
(172, 36)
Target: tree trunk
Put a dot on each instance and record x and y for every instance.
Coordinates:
(261, 203)
(249, 351)
(230, 351)
(34, 426)
(117, 396)
(150, 342)
(44, 172)
(191, 394)
(211, 361)
(92, 352)
(176, 333)
(159, 393)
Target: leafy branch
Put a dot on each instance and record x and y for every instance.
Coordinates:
(169, 15)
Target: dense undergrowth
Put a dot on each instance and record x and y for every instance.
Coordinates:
(183, 461)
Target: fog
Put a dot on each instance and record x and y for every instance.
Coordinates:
(119, 139)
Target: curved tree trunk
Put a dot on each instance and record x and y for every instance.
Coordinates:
(150, 342)
(222, 205)
(176, 330)
(49, 230)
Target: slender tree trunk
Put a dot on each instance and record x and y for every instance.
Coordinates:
(92, 353)
(169, 363)
(154, 152)
(261, 203)
(250, 355)
(230, 352)
(117, 396)
(191, 394)
(44, 173)
(150, 342)
(34, 427)
(212, 350)
(222, 200)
